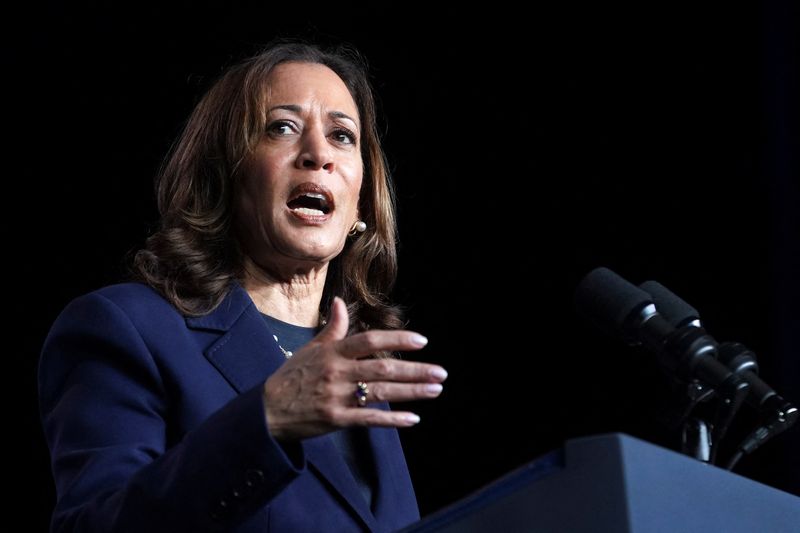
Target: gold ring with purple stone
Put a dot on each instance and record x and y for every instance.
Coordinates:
(361, 393)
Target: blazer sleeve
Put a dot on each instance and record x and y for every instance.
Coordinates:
(105, 413)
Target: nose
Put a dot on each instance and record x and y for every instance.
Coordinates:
(315, 152)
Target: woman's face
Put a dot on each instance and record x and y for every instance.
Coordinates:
(298, 193)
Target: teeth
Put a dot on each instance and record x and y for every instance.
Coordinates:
(308, 211)
(316, 195)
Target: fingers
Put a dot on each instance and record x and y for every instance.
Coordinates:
(370, 342)
(397, 370)
(335, 360)
(367, 342)
(384, 391)
(353, 414)
(378, 417)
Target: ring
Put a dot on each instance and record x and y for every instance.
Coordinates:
(361, 393)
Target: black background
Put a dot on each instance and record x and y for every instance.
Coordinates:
(529, 145)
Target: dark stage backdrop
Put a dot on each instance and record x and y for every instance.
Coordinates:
(527, 147)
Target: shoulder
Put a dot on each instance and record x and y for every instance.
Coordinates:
(125, 312)
(145, 309)
(102, 331)
(140, 309)
(136, 301)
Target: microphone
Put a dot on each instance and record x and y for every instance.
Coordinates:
(778, 413)
(673, 308)
(618, 307)
(687, 352)
(734, 355)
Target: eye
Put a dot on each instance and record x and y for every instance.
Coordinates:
(280, 128)
(344, 136)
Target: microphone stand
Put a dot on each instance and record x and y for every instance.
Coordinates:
(695, 434)
(693, 346)
(730, 401)
(696, 439)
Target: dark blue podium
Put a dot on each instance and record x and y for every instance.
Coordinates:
(617, 483)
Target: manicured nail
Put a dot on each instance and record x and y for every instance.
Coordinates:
(419, 340)
(439, 373)
(412, 418)
(433, 388)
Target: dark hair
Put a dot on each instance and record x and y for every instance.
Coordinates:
(194, 256)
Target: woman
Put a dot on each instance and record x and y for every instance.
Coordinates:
(242, 383)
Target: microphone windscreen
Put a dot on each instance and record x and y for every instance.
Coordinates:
(676, 311)
(609, 300)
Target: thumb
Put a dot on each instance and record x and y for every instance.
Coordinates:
(338, 322)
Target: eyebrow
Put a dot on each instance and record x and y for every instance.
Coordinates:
(297, 109)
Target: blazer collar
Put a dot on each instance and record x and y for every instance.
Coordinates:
(225, 315)
(245, 354)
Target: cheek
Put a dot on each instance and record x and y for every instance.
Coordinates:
(259, 183)
(246, 214)
(265, 169)
(254, 202)
(248, 200)
(356, 173)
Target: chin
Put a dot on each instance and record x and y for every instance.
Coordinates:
(317, 254)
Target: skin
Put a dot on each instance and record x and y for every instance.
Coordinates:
(312, 139)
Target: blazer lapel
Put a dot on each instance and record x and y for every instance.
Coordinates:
(393, 483)
(324, 457)
(245, 354)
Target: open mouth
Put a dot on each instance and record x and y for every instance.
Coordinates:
(310, 199)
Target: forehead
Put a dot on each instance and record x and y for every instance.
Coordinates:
(307, 84)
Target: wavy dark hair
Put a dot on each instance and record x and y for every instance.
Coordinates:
(194, 256)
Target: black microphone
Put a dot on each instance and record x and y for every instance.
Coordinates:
(778, 413)
(687, 353)
(673, 308)
(734, 355)
(618, 307)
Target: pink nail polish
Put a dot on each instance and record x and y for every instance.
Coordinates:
(419, 340)
(439, 373)
(433, 388)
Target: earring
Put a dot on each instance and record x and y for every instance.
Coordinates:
(359, 226)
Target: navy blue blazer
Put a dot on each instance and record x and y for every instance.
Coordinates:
(155, 422)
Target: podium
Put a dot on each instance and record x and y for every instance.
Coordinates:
(617, 483)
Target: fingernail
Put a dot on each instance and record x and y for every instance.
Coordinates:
(439, 373)
(419, 340)
(433, 388)
(412, 418)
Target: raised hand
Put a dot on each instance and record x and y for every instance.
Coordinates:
(315, 391)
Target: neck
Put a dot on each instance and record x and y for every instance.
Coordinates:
(295, 299)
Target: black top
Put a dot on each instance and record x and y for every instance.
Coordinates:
(351, 442)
